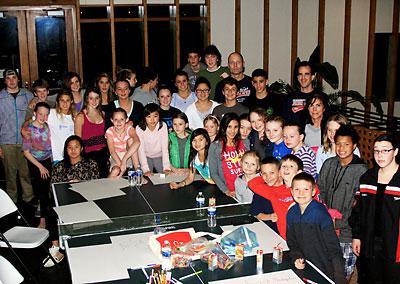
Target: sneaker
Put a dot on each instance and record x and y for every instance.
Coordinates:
(56, 254)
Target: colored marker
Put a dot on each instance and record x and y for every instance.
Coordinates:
(190, 275)
(309, 281)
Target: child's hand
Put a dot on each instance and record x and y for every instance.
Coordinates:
(300, 263)
(167, 172)
(356, 246)
(173, 185)
(44, 173)
(231, 193)
(148, 173)
(273, 217)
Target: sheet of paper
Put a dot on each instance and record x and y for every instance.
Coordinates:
(266, 237)
(135, 249)
(80, 212)
(164, 179)
(100, 188)
(96, 264)
(284, 276)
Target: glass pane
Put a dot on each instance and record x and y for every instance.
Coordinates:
(94, 12)
(129, 44)
(96, 50)
(162, 49)
(127, 12)
(160, 11)
(9, 48)
(193, 35)
(51, 49)
(191, 10)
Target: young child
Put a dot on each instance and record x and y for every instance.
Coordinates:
(250, 164)
(211, 124)
(166, 110)
(291, 165)
(179, 143)
(310, 233)
(293, 135)
(199, 144)
(245, 126)
(258, 140)
(37, 150)
(274, 132)
(153, 135)
(339, 181)
(122, 142)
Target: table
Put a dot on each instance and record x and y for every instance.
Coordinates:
(134, 213)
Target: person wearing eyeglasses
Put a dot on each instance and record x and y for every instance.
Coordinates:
(199, 110)
(338, 183)
(376, 215)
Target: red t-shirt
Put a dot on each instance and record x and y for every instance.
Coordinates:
(231, 164)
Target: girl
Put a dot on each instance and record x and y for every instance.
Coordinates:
(179, 143)
(37, 150)
(104, 84)
(184, 97)
(199, 110)
(166, 110)
(153, 135)
(250, 165)
(73, 83)
(61, 124)
(122, 141)
(376, 216)
(293, 136)
(225, 154)
(317, 109)
(258, 140)
(89, 125)
(245, 126)
(199, 144)
(328, 147)
(211, 124)
(274, 132)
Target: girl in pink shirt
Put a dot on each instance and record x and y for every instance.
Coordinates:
(122, 141)
(153, 135)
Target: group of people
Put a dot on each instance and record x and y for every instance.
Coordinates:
(296, 162)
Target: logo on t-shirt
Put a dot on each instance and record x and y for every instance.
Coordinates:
(298, 105)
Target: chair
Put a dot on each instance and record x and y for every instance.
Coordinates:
(366, 143)
(18, 236)
(8, 273)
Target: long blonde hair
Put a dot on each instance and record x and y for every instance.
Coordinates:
(338, 118)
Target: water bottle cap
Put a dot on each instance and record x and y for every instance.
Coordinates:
(211, 210)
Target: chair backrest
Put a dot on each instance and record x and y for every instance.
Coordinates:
(7, 206)
(366, 143)
(8, 273)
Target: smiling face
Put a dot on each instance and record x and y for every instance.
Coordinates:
(257, 122)
(292, 138)
(42, 114)
(179, 125)
(74, 84)
(211, 61)
(345, 148)
(42, 94)
(230, 93)
(332, 126)
(259, 83)
(199, 143)
(316, 109)
(119, 120)
(245, 128)
(384, 153)
(93, 100)
(274, 131)
(305, 78)
(202, 92)
(152, 119)
(232, 130)
(288, 170)
(211, 127)
(181, 82)
(302, 192)
(250, 165)
(122, 90)
(65, 103)
(270, 174)
(103, 85)
(164, 97)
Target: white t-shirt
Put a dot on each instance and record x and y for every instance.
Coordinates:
(61, 127)
(182, 104)
(195, 117)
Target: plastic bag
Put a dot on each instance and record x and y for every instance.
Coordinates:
(241, 235)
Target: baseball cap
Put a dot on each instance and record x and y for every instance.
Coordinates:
(10, 72)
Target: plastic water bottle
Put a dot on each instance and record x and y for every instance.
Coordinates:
(212, 217)
(158, 229)
(200, 200)
(166, 251)
(131, 177)
(139, 177)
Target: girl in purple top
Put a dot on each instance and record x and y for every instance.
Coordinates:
(37, 150)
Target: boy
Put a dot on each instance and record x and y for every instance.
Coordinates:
(146, 94)
(291, 165)
(193, 67)
(338, 182)
(274, 132)
(271, 102)
(41, 92)
(310, 233)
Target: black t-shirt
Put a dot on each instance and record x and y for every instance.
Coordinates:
(246, 90)
(272, 103)
(167, 115)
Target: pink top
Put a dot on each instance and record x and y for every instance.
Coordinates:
(93, 135)
(153, 144)
(231, 164)
(120, 143)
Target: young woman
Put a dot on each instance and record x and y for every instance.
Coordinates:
(167, 111)
(73, 83)
(225, 154)
(89, 125)
(184, 96)
(199, 145)
(376, 216)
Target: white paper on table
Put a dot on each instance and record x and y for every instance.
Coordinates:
(285, 276)
(96, 264)
(80, 212)
(266, 237)
(158, 179)
(100, 188)
(134, 249)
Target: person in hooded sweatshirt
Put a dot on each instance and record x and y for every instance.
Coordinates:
(338, 183)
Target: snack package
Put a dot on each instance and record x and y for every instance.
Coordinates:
(240, 235)
(193, 247)
(181, 260)
(224, 261)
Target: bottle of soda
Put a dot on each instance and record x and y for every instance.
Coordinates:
(212, 217)
(139, 177)
(131, 176)
(200, 200)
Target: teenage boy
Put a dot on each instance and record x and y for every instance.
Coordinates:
(230, 90)
(271, 102)
(310, 233)
(338, 182)
(193, 67)
(41, 93)
(146, 94)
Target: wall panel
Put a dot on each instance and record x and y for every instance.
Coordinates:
(308, 28)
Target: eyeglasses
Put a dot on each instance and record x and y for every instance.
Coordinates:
(384, 151)
(205, 91)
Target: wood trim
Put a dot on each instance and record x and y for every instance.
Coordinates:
(145, 34)
(177, 35)
(113, 52)
(126, 20)
(78, 38)
(294, 39)
(32, 52)
(23, 47)
(36, 2)
(266, 35)
(89, 21)
(70, 39)
(321, 28)
(237, 25)
(370, 58)
(346, 49)
(208, 22)
(393, 56)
